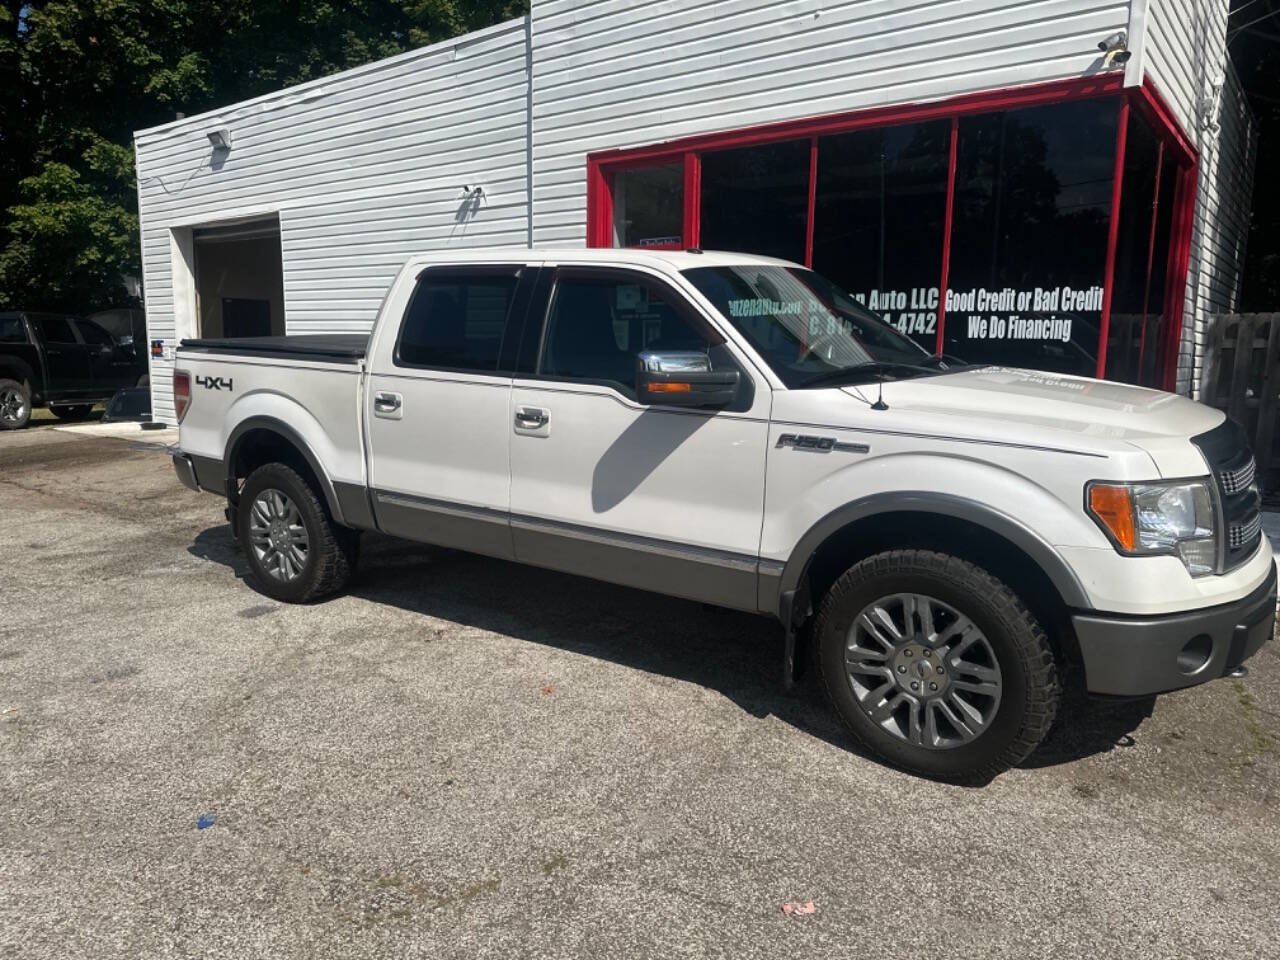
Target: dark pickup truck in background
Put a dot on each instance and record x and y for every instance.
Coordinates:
(61, 362)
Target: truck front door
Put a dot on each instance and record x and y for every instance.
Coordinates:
(661, 498)
(66, 357)
(437, 409)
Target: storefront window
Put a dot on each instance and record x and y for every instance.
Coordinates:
(879, 215)
(1029, 235)
(1137, 331)
(756, 199)
(648, 206)
(988, 234)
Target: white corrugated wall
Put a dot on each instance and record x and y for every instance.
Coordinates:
(1186, 59)
(367, 166)
(630, 72)
(363, 168)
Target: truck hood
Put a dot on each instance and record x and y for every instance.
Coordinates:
(1078, 413)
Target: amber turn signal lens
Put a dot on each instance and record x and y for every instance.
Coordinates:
(1113, 506)
(670, 388)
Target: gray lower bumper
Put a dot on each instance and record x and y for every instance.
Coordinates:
(1136, 656)
(186, 472)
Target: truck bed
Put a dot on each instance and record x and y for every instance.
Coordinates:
(334, 347)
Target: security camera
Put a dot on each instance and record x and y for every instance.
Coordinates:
(221, 139)
(1116, 48)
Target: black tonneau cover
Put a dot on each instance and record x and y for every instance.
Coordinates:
(335, 347)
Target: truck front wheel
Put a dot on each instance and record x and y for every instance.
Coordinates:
(936, 665)
(296, 551)
(15, 405)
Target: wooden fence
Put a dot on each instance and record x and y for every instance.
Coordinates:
(1241, 376)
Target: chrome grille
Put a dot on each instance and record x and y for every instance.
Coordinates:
(1233, 481)
(1239, 534)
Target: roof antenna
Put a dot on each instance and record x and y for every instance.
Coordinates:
(880, 404)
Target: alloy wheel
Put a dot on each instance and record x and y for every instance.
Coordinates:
(13, 405)
(278, 535)
(923, 671)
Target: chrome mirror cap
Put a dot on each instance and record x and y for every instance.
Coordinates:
(675, 361)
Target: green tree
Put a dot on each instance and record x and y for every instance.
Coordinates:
(77, 77)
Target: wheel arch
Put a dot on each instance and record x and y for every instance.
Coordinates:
(18, 369)
(975, 531)
(260, 439)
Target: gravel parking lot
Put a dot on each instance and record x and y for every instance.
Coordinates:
(462, 757)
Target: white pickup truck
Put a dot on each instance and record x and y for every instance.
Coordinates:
(944, 540)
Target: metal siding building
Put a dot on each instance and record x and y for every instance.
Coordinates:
(355, 171)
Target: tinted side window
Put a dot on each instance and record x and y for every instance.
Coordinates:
(12, 330)
(54, 329)
(597, 326)
(456, 322)
(94, 334)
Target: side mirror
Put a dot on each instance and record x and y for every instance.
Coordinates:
(679, 378)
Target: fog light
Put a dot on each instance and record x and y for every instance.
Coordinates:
(1195, 654)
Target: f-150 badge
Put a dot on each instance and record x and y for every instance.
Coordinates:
(803, 441)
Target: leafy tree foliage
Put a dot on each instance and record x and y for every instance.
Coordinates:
(77, 77)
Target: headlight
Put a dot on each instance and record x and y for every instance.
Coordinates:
(1149, 519)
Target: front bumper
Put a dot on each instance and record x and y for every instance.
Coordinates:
(1137, 656)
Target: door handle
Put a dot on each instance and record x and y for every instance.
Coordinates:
(387, 404)
(531, 418)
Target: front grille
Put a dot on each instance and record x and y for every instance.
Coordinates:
(1226, 448)
(1233, 481)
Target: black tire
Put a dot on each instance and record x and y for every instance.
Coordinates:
(15, 405)
(331, 551)
(78, 411)
(144, 380)
(1029, 686)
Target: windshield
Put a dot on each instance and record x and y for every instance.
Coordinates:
(808, 330)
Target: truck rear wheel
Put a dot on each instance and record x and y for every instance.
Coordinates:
(296, 551)
(936, 665)
(15, 405)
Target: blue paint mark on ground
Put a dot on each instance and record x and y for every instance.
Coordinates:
(205, 821)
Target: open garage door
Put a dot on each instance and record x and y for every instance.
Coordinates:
(239, 279)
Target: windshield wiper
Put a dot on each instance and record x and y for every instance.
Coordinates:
(873, 367)
(945, 361)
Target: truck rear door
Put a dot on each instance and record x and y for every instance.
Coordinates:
(109, 365)
(437, 408)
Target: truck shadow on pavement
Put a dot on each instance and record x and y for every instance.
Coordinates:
(735, 654)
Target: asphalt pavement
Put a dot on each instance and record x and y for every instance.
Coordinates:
(461, 757)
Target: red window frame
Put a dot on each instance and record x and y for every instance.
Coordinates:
(1145, 99)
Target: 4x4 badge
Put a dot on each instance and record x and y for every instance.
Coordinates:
(803, 441)
(214, 383)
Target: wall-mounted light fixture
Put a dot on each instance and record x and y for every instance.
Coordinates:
(221, 139)
(1116, 48)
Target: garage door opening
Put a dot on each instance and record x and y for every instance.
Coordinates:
(239, 279)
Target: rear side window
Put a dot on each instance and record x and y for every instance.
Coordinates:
(456, 321)
(94, 334)
(54, 329)
(12, 331)
(597, 326)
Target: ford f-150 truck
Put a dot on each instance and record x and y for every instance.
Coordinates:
(943, 541)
